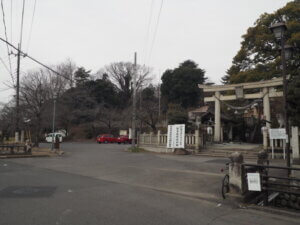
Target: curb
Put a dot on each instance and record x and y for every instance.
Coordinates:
(23, 156)
(238, 202)
(273, 210)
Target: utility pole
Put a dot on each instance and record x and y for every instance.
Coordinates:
(18, 97)
(134, 102)
(53, 121)
(141, 122)
(158, 101)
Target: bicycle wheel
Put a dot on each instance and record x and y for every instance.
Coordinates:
(225, 185)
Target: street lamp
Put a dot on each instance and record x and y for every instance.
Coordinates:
(278, 29)
(53, 119)
(288, 51)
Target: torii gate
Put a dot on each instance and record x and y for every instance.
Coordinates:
(267, 91)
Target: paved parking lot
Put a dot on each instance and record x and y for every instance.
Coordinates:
(104, 184)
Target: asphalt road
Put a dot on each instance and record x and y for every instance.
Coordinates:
(103, 184)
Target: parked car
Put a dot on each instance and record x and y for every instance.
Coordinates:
(49, 137)
(124, 139)
(106, 138)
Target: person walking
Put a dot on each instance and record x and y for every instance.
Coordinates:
(56, 144)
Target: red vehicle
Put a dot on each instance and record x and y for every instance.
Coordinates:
(124, 139)
(106, 138)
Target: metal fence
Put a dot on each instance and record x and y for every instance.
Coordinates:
(274, 180)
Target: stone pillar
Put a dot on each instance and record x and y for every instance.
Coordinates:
(197, 140)
(150, 137)
(295, 145)
(17, 137)
(158, 137)
(222, 137)
(217, 133)
(230, 135)
(235, 173)
(138, 138)
(267, 112)
(265, 137)
(130, 133)
(22, 136)
(262, 157)
(267, 115)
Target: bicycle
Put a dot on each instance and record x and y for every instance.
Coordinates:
(225, 181)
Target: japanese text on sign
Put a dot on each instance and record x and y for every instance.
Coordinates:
(176, 135)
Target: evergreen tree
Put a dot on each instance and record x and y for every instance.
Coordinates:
(180, 86)
(81, 75)
(259, 56)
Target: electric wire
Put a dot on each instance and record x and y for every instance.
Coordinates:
(155, 30)
(11, 20)
(33, 59)
(22, 23)
(5, 66)
(5, 89)
(31, 25)
(148, 29)
(5, 33)
(8, 85)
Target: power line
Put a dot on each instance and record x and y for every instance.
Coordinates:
(18, 77)
(148, 30)
(22, 22)
(31, 25)
(8, 85)
(11, 20)
(5, 32)
(6, 89)
(5, 66)
(33, 59)
(156, 29)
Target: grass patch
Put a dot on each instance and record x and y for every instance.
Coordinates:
(136, 149)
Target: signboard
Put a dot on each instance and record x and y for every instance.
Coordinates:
(176, 134)
(277, 133)
(123, 132)
(253, 181)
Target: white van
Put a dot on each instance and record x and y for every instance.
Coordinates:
(49, 137)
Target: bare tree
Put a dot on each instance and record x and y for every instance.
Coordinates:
(148, 110)
(67, 69)
(110, 117)
(121, 74)
(34, 92)
(7, 118)
(37, 90)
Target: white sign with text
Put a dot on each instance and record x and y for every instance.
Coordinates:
(253, 181)
(277, 133)
(176, 134)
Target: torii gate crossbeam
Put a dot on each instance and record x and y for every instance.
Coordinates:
(267, 91)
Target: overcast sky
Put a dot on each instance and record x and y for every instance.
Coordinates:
(94, 33)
